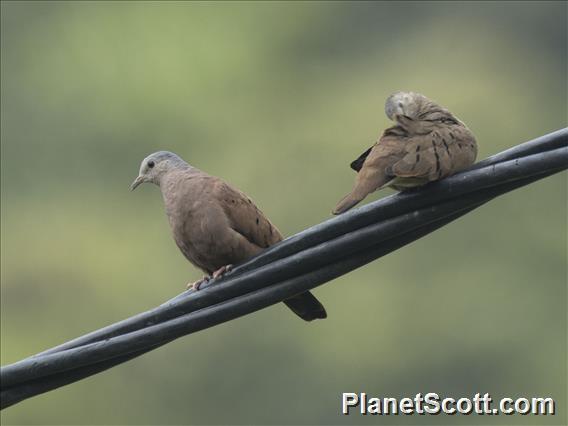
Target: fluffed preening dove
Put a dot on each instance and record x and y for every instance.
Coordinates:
(213, 224)
(427, 143)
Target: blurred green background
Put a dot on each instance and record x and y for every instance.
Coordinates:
(277, 98)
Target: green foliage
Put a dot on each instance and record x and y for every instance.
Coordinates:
(276, 98)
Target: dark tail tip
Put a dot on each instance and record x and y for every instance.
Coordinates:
(306, 306)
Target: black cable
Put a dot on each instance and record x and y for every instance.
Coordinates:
(387, 207)
(301, 262)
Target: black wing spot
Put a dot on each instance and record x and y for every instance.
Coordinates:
(257, 220)
(437, 157)
(452, 136)
(416, 162)
(446, 146)
(459, 145)
(417, 158)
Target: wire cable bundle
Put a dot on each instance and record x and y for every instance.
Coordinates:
(299, 263)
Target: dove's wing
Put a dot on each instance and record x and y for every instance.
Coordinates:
(438, 154)
(245, 218)
(462, 147)
(249, 222)
(422, 159)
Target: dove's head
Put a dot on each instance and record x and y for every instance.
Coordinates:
(415, 106)
(408, 104)
(155, 165)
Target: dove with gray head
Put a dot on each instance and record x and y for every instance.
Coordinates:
(427, 143)
(214, 225)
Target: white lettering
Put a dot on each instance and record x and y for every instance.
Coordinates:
(464, 406)
(374, 406)
(543, 406)
(445, 403)
(349, 400)
(522, 406)
(433, 403)
(390, 406)
(506, 402)
(406, 406)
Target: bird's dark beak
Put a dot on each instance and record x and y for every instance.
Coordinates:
(137, 181)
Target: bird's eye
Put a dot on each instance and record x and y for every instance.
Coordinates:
(151, 164)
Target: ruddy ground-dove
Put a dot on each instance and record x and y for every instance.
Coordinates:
(213, 224)
(427, 143)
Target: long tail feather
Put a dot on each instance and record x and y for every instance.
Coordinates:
(347, 202)
(306, 306)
